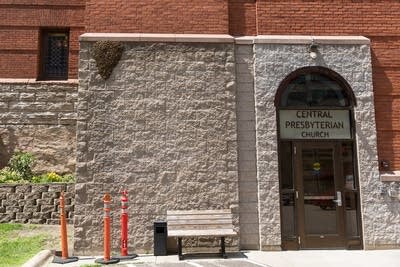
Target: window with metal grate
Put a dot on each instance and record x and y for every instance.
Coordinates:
(54, 55)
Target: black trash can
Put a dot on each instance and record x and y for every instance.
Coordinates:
(160, 238)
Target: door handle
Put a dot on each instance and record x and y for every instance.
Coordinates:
(338, 199)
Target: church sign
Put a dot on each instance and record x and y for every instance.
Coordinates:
(314, 124)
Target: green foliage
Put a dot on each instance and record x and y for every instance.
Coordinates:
(53, 177)
(7, 175)
(8, 227)
(20, 171)
(14, 249)
(22, 162)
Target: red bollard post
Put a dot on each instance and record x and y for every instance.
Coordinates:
(124, 228)
(107, 230)
(124, 224)
(64, 237)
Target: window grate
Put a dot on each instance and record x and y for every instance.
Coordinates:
(55, 55)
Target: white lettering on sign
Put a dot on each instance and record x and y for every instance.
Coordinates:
(315, 124)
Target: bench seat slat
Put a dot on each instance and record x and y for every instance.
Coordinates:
(199, 216)
(199, 227)
(196, 212)
(204, 232)
(183, 222)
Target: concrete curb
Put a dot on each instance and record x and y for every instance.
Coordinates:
(39, 259)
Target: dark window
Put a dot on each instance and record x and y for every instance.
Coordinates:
(54, 55)
(314, 90)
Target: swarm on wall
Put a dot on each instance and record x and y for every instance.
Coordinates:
(107, 55)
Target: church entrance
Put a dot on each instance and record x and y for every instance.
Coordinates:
(318, 171)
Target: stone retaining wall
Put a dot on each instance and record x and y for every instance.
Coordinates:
(39, 117)
(35, 203)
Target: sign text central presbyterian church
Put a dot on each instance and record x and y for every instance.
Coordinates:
(315, 124)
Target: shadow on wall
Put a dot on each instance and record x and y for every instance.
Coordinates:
(384, 114)
(7, 148)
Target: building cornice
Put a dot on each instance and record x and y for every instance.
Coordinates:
(224, 38)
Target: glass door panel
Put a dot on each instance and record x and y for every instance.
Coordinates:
(320, 198)
(319, 191)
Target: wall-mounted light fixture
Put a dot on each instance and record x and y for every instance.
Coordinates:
(313, 49)
(385, 164)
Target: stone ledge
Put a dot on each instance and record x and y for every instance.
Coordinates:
(393, 176)
(304, 39)
(34, 81)
(223, 38)
(153, 37)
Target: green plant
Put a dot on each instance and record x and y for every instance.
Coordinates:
(15, 249)
(53, 177)
(22, 162)
(7, 175)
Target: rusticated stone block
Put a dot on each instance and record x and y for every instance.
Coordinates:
(47, 208)
(23, 189)
(45, 201)
(37, 221)
(22, 217)
(180, 102)
(57, 187)
(52, 221)
(31, 208)
(7, 188)
(12, 209)
(39, 188)
(40, 215)
(34, 195)
(7, 217)
(51, 195)
(10, 202)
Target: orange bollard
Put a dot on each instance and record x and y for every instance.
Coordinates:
(124, 228)
(64, 237)
(107, 230)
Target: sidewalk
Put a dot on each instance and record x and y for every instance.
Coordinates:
(310, 258)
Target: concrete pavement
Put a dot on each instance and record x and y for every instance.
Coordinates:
(310, 258)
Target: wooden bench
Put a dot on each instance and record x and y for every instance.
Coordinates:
(200, 223)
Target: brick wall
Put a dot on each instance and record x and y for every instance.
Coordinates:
(35, 203)
(20, 24)
(242, 17)
(157, 16)
(377, 20)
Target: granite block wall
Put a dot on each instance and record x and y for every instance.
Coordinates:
(247, 167)
(163, 126)
(39, 117)
(35, 203)
(273, 62)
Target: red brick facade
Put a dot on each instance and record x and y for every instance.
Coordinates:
(20, 25)
(157, 16)
(21, 21)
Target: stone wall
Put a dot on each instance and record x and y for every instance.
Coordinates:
(273, 62)
(248, 189)
(39, 117)
(35, 203)
(163, 127)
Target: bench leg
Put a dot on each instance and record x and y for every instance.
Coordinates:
(223, 254)
(180, 248)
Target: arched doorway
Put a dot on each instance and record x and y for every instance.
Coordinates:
(319, 190)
